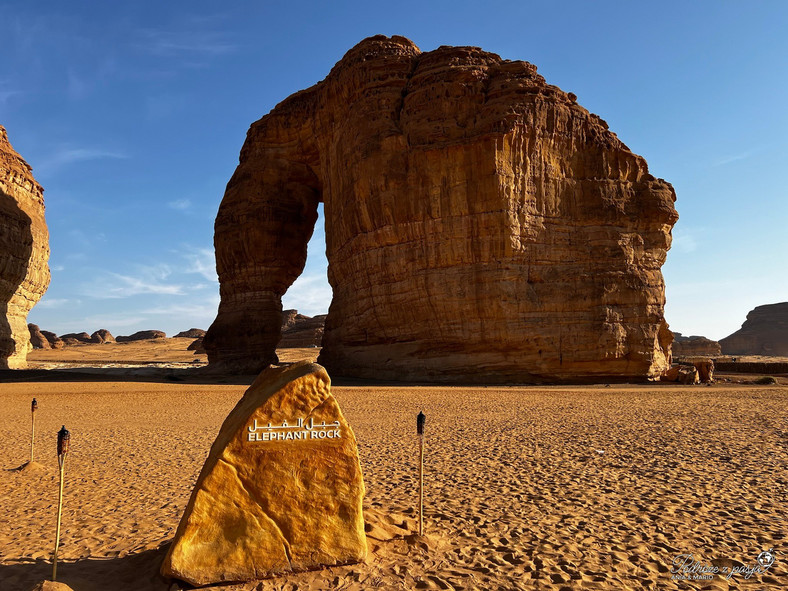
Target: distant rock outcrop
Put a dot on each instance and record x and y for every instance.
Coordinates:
(299, 331)
(142, 335)
(37, 339)
(192, 333)
(694, 346)
(54, 340)
(480, 226)
(81, 337)
(196, 346)
(102, 336)
(24, 252)
(765, 332)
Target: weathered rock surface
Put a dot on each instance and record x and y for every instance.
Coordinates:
(142, 335)
(281, 489)
(24, 252)
(192, 333)
(102, 336)
(480, 226)
(300, 331)
(54, 340)
(81, 337)
(765, 332)
(684, 374)
(37, 339)
(694, 346)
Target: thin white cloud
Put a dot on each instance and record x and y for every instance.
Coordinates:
(180, 204)
(734, 158)
(57, 302)
(191, 43)
(148, 280)
(68, 156)
(202, 261)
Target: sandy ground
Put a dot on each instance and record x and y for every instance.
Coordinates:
(527, 488)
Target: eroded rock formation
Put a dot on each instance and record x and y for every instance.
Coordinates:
(37, 339)
(192, 333)
(24, 252)
(480, 226)
(101, 336)
(694, 346)
(765, 332)
(299, 330)
(142, 335)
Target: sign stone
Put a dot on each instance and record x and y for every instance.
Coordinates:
(281, 490)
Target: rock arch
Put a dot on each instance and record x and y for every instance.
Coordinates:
(480, 226)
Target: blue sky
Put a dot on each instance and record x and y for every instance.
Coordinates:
(133, 114)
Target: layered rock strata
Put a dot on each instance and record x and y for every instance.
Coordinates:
(299, 331)
(24, 252)
(480, 226)
(694, 346)
(765, 332)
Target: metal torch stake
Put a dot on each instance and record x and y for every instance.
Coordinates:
(33, 409)
(420, 419)
(63, 440)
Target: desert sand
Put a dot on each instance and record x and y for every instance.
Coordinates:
(588, 487)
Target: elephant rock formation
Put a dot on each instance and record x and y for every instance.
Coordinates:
(480, 226)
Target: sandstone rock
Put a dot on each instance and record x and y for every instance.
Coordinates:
(196, 346)
(694, 346)
(81, 337)
(480, 226)
(765, 332)
(24, 252)
(142, 335)
(37, 339)
(301, 331)
(684, 374)
(102, 336)
(54, 340)
(51, 586)
(705, 370)
(71, 341)
(192, 333)
(279, 499)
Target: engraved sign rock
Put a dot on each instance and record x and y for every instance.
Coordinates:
(281, 490)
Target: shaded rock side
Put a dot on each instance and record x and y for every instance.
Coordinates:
(764, 332)
(263, 507)
(142, 335)
(196, 346)
(694, 346)
(37, 338)
(300, 331)
(54, 340)
(480, 226)
(24, 252)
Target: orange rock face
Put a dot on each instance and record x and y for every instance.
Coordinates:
(480, 226)
(24, 252)
(281, 490)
